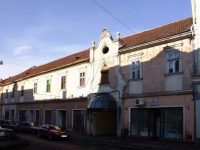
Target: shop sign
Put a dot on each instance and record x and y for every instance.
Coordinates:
(153, 102)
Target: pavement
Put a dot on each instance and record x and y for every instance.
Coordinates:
(133, 143)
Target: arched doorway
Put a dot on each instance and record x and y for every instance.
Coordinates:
(103, 115)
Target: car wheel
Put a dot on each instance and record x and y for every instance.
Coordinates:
(50, 137)
(33, 132)
(39, 135)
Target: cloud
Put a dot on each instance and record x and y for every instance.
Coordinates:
(24, 57)
(67, 48)
(21, 50)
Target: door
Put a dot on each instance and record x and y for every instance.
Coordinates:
(154, 123)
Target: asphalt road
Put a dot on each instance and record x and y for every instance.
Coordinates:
(37, 143)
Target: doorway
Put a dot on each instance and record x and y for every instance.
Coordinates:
(62, 118)
(154, 124)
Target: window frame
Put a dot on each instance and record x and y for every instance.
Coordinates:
(82, 79)
(48, 85)
(63, 82)
(35, 86)
(22, 91)
(137, 69)
(6, 96)
(173, 61)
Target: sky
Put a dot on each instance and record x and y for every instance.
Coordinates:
(35, 32)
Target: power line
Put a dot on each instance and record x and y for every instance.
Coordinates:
(132, 13)
(137, 14)
(112, 16)
(16, 64)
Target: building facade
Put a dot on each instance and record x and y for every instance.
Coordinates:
(139, 86)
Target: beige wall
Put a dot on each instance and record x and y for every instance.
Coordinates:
(73, 89)
(154, 69)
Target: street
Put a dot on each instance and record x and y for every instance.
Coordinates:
(37, 143)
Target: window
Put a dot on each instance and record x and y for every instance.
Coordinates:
(173, 61)
(6, 93)
(22, 91)
(13, 92)
(35, 88)
(63, 82)
(104, 74)
(48, 86)
(136, 69)
(82, 79)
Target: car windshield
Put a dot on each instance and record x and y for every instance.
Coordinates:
(54, 128)
(12, 122)
(31, 124)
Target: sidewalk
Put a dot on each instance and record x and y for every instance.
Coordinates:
(137, 144)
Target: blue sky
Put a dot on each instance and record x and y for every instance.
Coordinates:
(35, 32)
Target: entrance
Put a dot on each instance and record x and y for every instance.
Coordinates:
(154, 123)
(62, 118)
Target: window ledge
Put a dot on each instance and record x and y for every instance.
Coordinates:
(63, 89)
(104, 83)
(173, 74)
(138, 79)
(48, 91)
(81, 87)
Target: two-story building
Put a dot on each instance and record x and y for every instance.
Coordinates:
(138, 86)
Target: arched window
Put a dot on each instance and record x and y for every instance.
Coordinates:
(104, 74)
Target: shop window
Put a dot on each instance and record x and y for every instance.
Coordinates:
(78, 119)
(7, 114)
(139, 122)
(12, 114)
(104, 74)
(37, 117)
(48, 116)
(172, 123)
(22, 115)
(63, 82)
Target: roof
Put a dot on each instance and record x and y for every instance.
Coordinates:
(57, 64)
(158, 33)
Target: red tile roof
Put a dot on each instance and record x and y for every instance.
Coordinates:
(57, 64)
(158, 33)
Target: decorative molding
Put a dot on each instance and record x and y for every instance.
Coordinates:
(173, 74)
(125, 96)
(135, 55)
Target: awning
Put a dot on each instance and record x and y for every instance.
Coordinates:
(103, 102)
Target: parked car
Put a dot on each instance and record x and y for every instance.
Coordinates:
(53, 132)
(7, 124)
(26, 127)
(10, 141)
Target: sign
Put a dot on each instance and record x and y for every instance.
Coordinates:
(153, 102)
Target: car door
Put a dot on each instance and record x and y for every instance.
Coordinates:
(43, 130)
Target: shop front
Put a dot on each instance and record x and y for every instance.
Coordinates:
(157, 123)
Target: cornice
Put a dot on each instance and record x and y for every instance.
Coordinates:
(125, 96)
